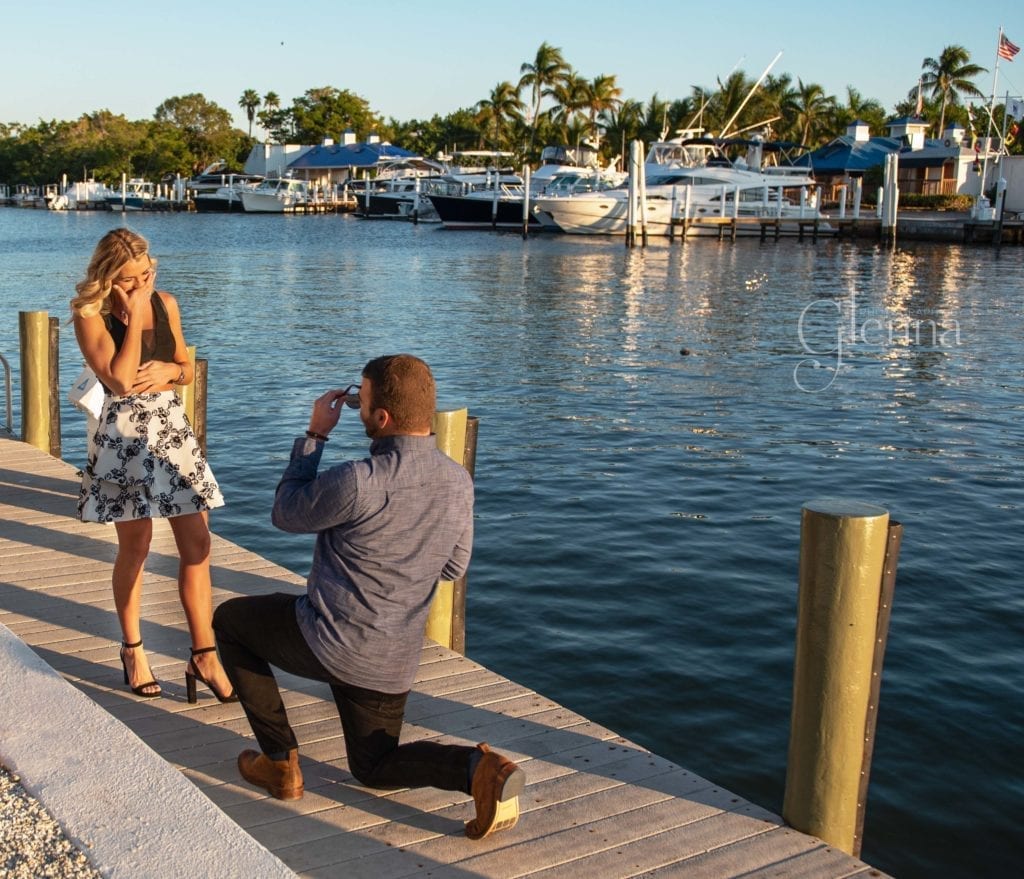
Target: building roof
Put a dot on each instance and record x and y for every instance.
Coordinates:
(844, 154)
(355, 155)
(907, 120)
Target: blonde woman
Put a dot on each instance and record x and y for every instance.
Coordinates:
(144, 461)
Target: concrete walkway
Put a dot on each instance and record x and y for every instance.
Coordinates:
(149, 788)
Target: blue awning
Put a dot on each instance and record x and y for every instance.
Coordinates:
(356, 155)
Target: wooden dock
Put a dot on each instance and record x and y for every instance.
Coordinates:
(910, 226)
(596, 804)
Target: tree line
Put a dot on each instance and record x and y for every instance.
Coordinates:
(549, 103)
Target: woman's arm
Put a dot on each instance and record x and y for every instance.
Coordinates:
(116, 369)
(159, 375)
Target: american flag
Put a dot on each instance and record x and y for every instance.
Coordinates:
(1007, 49)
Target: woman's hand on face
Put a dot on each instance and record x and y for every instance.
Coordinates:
(126, 302)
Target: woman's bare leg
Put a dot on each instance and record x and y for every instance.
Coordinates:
(192, 536)
(133, 538)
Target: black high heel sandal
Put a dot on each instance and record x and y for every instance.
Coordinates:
(139, 690)
(192, 674)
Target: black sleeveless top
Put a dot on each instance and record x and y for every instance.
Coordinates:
(157, 343)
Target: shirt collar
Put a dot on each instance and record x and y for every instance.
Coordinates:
(402, 442)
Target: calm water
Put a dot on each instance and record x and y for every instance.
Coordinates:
(638, 508)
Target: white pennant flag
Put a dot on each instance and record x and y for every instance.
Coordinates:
(1015, 108)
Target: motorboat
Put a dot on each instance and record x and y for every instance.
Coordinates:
(494, 199)
(81, 194)
(685, 181)
(225, 199)
(136, 194)
(217, 190)
(215, 175)
(27, 195)
(275, 195)
(397, 191)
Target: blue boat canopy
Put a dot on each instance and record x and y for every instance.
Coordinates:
(355, 155)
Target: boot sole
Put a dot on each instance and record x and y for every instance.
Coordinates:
(289, 793)
(506, 809)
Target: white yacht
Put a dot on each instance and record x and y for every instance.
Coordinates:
(397, 190)
(275, 195)
(689, 179)
(494, 199)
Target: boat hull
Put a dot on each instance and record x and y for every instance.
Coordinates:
(269, 204)
(218, 205)
(469, 212)
(385, 206)
(608, 216)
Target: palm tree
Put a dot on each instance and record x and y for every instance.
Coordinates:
(775, 103)
(569, 95)
(722, 109)
(653, 119)
(249, 102)
(602, 96)
(272, 118)
(858, 107)
(621, 126)
(541, 75)
(949, 76)
(813, 110)
(495, 112)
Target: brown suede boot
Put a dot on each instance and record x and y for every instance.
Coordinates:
(497, 784)
(282, 779)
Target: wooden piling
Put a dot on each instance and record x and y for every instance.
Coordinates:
(53, 385)
(446, 623)
(34, 332)
(894, 538)
(458, 626)
(199, 403)
(842, 561)
(193, 397)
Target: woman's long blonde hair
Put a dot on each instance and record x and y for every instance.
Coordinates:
(117, 247)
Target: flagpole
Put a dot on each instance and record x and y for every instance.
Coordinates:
(991, 107)
(1002, 134)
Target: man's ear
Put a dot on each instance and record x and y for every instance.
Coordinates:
(381, 418)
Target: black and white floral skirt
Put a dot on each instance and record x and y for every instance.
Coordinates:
(144, 462)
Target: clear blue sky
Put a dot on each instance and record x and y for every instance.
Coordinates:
(62, 58)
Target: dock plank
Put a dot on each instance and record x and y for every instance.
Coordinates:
(595, 803)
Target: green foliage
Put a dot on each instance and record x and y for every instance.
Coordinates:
(328, 112)
(913, 200)
(550, 103)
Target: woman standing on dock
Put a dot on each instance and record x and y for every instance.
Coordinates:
(144, 461)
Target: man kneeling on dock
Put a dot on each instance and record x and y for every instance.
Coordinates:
(387, 529)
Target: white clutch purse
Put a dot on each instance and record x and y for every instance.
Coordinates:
(87, 393)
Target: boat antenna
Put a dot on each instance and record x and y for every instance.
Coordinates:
(750, 94)
(700, 110)
(767, 121)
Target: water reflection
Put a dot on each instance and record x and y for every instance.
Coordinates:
(638, 509)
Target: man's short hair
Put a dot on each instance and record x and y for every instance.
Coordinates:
(403, 384)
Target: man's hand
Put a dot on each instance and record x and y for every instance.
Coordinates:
(327, 411)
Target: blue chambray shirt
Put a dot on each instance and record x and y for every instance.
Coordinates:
(387, 529)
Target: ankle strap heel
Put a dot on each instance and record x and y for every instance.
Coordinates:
(148, 690)
(192, 674)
